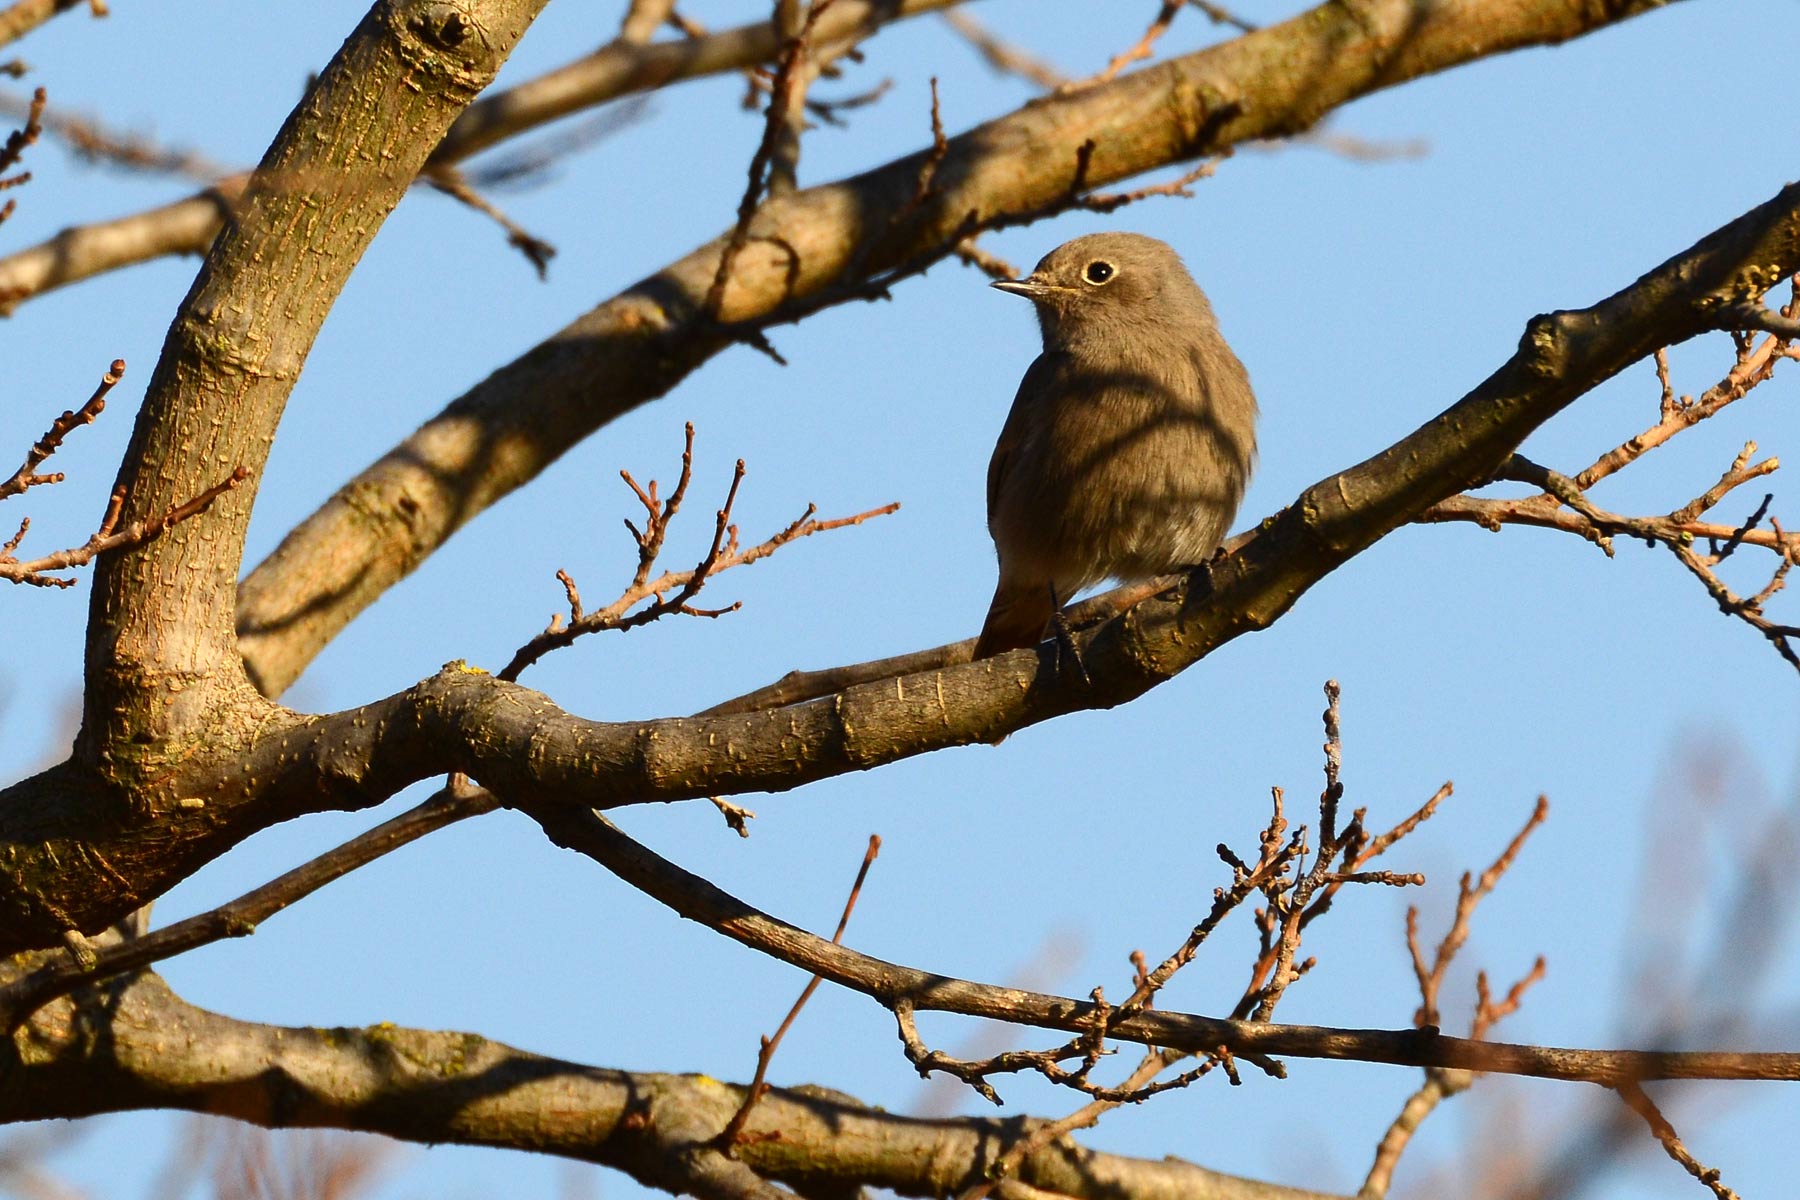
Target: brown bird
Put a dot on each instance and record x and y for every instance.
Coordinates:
(1131, 439)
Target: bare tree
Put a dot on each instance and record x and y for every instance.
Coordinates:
(184, 749)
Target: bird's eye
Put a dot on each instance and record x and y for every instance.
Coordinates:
(1098, 271)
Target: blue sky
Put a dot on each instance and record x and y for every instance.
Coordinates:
(1363, 297)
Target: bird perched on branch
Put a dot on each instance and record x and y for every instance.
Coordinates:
(1130, 441)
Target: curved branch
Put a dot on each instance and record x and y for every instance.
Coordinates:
(897, 987)
(842, 241)
(188, 225)
(624, 66)
(164, 682)
(154, 1050)
(71, 857)
(162, 612)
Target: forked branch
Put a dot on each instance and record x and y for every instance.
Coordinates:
(40, 572)
(671, 591)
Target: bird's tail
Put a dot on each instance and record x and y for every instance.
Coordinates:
(1015, 619)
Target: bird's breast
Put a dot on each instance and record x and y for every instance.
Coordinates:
(1128, 469)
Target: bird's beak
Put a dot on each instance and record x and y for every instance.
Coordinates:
(1027, 287)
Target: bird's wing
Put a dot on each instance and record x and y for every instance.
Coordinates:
(1034, 389)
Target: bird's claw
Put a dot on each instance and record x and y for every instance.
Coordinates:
(1065, 646)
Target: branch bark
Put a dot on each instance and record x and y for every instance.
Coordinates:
(162, 613)
(164, 682)
(66, 858)
(188, 225)
(135, 1044)
(896, 987)
(825, 245)
(23, 16)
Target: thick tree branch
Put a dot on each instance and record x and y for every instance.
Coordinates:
(163, 611)
(135, 1045)
(828, 244)
(164, 682)
(66, 857)
(188, 225)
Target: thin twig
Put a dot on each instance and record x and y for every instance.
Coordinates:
(672, 591)
(1563, 503)
(788, 72)
(1002, 55)
(1141, 49)
(15, 146)
(240, 917)
(453, 183)
(109, 538)
(1639, 1102)
(587, 832)
(1442, 1083)
(733, 1133)
(88, 139)
(19, 139)
(1105, 202)
(25, 477)
(1222, 16)
(991, 265)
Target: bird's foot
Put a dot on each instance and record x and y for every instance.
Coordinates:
(1066, 647)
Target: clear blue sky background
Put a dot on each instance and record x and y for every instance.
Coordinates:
(1364, 298)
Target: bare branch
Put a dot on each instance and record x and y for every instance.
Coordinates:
(1350, 146)
(455, 184)
(1110, 202)
(452, 1087)
(1002, 55)
(1563, 502)
(785, 94)
(39, 572)
(59, 976)
(1442, 1083)
(1639, 1102)
(649, 337)
(623, 68)
(1219, 15)
(699, 900)
(19, 139)
(1748, 609)
(1141, 49)
(991, 265)
(23, 16)
(671, 591)
(25, 477)
(1470, 894)
(317, 200)
(188, 226)
(733, 1133)
(109, 537)
(15, 144)
(88, 139)
(643, 18)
